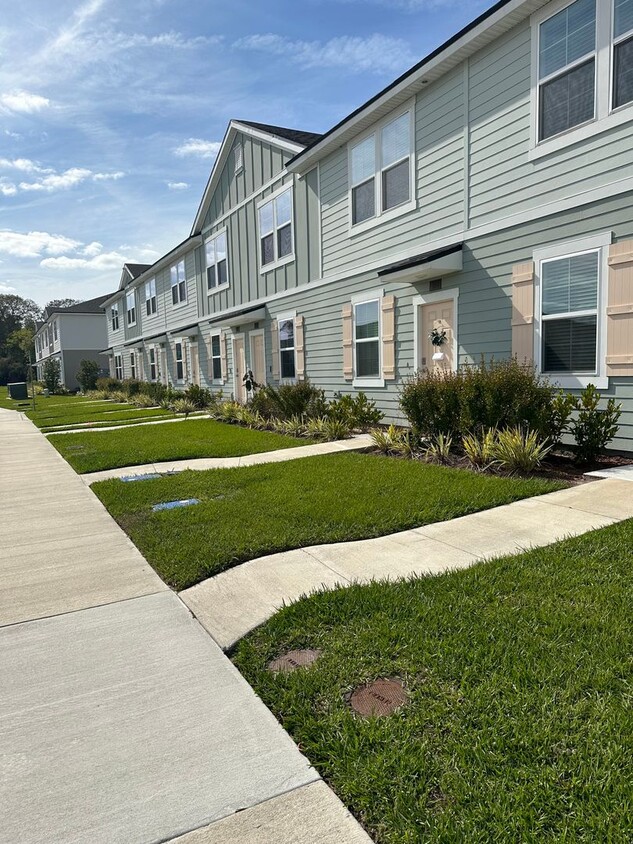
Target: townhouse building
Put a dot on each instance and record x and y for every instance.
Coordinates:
(70, 335)
(486, 194)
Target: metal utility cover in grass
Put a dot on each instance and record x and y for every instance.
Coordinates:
(380, 697)
(151, 476)
(173, 505)
(293, 660)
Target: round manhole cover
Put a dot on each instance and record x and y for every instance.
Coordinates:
(380, 697)
(293, 660)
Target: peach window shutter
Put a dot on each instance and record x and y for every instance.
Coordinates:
(274, 334)
(300, 349)
(223, 359)
(348, 342)
(388, 308)
(620, 309)
(523, 311)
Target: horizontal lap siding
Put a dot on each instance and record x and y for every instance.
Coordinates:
(184, 313)
(439, 186)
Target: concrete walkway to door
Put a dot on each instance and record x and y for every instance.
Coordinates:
(121, 720)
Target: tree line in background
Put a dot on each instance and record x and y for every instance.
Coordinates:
(18, 320)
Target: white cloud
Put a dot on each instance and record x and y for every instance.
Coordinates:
(7, 188)
(374, 54)
(92, 249)
(198, 147)
(35, 244)
(105, 177)
(23, 102)
(58, 181)
(177, 185)
(105, 261)
(6, 288)
(25, 165)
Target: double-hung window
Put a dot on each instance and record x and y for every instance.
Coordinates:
(153, 371)
(114, 316)
(216, 260)
(118, 367)
(55, 329)
(178, 283)
(216, 358)
(367, 339)
(130, 307)
(132, 364)
(275, 228)
(180, 361)
(567, 68)
(380, 170)
(287, 364)
(150, 297)
(622, 52)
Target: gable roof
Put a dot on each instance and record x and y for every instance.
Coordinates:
(289, 140)
(484, 29)
(135, 270)
(90, 306)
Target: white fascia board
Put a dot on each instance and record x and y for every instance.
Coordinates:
(474, 39)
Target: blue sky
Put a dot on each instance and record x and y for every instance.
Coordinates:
(111, 112)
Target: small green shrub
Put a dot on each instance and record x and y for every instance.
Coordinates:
(562, 406)
(131, 386)
(593, 428)
(356, 411)
(517, 450)
(389, 440)
(119, 396)
(317, 428)
(293, 427)
(300, 399)
(88, 374)
(439, 449)
(52, 375)
(336, 429)
(228, 411)
(479, 448)
(199, 396)
(184, 407)
(108, 384)
(142, 400)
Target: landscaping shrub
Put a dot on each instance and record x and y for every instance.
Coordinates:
(142, 400)
(108, 384)
(198, 396)
(300, 399)
(439, 449)
(392, 440)
(497, 394)
(593, 428)
(88, 374)
(52, 375)
(131, 386)
(517, 450)
(355, 411)
(155, 391)
(184, 406)
(479, 448)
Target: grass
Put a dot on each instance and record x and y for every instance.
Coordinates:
(94, 451)
(520, 720)
(257, 510)
(154, 415)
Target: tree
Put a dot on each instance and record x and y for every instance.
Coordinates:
(88, 373)
(16, 314)
(52, 375)
(60, 303)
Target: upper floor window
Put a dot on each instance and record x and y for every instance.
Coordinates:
(622, 52)
(275, 228)
(130, 307)
(380, 170)
(114, 316)
(215, 253)
(178, 283)
(583, 68)
(55, 329)
(150, 297)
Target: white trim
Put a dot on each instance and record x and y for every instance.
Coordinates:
(365, 299)
(451, 294)
(211, 291)
(258, 332)
(128, 322)
(271, 198)
(216, 381)
(285, 317)
(235, 337)
(180, 301)
(207, 230)
(591, 243)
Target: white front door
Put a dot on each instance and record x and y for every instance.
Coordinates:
(438, 316)
(239, 368)
(258, 357)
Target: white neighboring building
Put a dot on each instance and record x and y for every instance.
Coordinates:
(71, 335)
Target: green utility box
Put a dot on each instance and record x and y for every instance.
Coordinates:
(18, 390)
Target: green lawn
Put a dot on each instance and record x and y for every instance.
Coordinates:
(257, 510)
(150, 415)
(520, 723)
(94, 451)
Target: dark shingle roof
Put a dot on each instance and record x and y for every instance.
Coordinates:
(91, 306)
(295, 136)
(137, 269)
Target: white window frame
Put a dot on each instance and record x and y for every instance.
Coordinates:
(118, 367)
(114, 315)
(133, 364)
(183, 360)
(381, 216)
(151, 302)
(592, 243)
(181, 298)
(55, 330)
(289, 316)
(364, 299)
(605, 116)
(130, 322)
(213, 357)
(151, 352)
(278, 262)
(212, 239)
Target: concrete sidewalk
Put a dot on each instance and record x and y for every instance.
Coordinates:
(121, 720)
(231, 604)
(200, 464)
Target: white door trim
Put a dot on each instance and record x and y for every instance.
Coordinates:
(235, 337)
(259, 332)
(452, 294)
